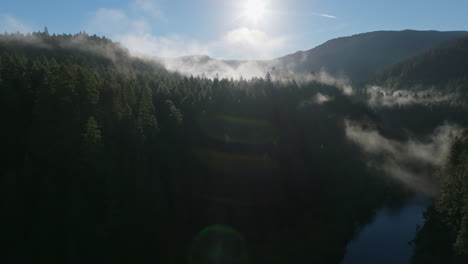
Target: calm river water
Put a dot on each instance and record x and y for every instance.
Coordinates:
(385, 239)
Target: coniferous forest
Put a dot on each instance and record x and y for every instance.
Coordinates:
(109, 158)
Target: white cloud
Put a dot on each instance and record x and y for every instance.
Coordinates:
(12, 25)
(241, 43)
(135, 34)
(134, 31)
(324, 15)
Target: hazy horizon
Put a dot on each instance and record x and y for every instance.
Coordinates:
(228, 30)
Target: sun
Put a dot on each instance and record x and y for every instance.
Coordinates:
(255, 10)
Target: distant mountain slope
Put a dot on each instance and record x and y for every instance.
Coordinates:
(443, 67)
(357, 57)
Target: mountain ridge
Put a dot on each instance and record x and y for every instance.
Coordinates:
(357, 56)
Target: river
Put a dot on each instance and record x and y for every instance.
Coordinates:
(385, 239)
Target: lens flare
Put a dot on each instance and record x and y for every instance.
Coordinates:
(218, 244)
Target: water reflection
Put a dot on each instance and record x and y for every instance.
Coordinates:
(386, 239)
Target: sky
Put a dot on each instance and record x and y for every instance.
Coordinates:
(228, 29)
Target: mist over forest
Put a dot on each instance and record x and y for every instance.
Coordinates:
(109, 156)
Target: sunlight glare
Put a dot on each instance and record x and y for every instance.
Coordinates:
(255, 10)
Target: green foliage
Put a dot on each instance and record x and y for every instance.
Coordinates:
(174, 113)
(92, 139)
(145, 120)
(446, 226)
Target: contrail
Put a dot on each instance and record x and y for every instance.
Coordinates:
(324, 15)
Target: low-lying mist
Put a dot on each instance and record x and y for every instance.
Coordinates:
(413, 161)
(381, 97)
(214, 68)
(211, 68)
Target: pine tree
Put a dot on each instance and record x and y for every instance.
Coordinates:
(91, 137)
(175, 115)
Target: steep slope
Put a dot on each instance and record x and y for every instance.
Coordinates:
(359, 55)
(443, 67)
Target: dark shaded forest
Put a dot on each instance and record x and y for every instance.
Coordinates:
(444, 236)
(444, 67)
(110, 158)
(114, 159)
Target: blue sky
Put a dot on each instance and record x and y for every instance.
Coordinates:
(230, 29)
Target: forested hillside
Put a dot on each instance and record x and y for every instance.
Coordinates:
(444, 236)
(424, 90)
(110, 159)
(360, 56)
(444, 67)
